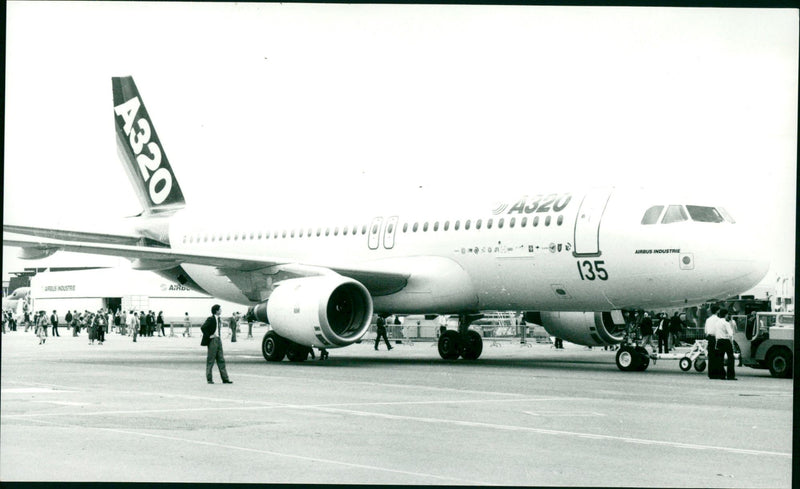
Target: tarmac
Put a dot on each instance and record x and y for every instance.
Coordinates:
(520, 415)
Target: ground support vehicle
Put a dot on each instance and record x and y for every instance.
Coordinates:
(766, 340)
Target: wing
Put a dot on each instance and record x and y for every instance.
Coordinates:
(254, 275)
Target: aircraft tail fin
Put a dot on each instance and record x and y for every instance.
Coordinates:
(141, 151)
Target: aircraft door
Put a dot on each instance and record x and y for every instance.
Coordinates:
(587, 223)
(375, 233)
(389, 232)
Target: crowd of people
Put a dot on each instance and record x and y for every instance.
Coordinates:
(96, 324)
(652, 326)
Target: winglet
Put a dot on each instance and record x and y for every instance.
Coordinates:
(141, 151)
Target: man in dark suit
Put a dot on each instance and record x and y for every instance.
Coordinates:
(54, 322)
(212, 337)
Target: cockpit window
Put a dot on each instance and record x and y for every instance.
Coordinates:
(675, 213)
(727, 215)
(651, 214)
(704, 214)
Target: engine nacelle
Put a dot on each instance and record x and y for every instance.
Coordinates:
(583, 328)
(35, 253)
(328, 311)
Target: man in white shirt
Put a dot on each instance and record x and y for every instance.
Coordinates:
(725, 343)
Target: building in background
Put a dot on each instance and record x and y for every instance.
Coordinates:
(121, 288)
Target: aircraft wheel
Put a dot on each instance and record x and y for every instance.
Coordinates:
(297, 353)
(626, 359)
(644, 359)
(449, 343)
(700, 364)
(473, 345)
(779, 362)
(685, 364)
(273, 347)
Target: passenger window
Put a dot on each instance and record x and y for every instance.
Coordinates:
(466, 225)
(560, 220)
(651, 214)
(704, 214)
(446, 225)
(478, 223)
(675, 213)
(500, 223)
(489, 224)
(436, 226)
(416, 226)
(512, 222)
(535, 221)
(524, 222)
(405, 227)
(425, 226)
(458, 225)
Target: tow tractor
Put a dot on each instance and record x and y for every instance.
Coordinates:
(767, 342)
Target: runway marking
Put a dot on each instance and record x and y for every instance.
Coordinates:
(31, 390)
(269, 452)
(64, 403)
(563, 414)
(474, 424)
(274, 406)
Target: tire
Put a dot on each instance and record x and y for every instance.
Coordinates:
(779, 362)
(685, 364)
(700, 364)
(627, 359)
(273, 347)
(644, 359)
(449, 345)
(472, 345)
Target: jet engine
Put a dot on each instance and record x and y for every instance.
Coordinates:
(582, 328)
(327, 311)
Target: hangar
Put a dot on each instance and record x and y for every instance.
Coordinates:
(121, 288)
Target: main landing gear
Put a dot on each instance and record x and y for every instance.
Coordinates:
(275, 348)
(464, 343)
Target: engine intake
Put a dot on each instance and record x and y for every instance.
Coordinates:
(327, 311)
(583, 328)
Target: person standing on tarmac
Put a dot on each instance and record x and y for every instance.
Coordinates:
(382, 333)
(646, 330)
(714, 365)
(675, 328)
(725, 344)
(663, 333)
(187, 325)
(234, 323)
(54, 323)
(160, 324)
(212, 338)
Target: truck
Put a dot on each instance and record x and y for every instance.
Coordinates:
(766, 340)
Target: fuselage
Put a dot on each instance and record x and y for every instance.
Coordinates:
(569, 251)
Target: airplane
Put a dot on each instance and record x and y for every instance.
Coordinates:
(573, 260)
(15, 299)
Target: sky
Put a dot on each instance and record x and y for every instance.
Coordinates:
(296, 106)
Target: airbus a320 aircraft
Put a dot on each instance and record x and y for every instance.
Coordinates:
(574, 260)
